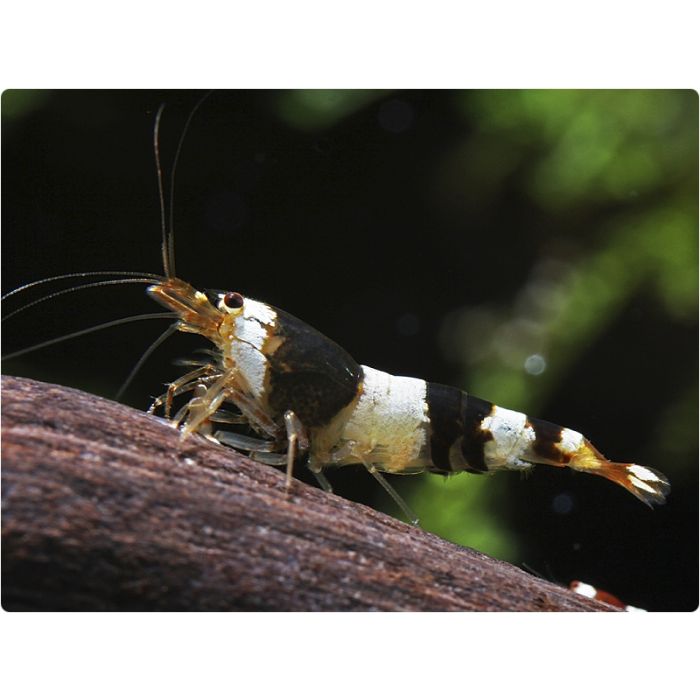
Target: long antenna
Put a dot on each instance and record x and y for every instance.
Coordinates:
(92, 329)
(79, 287)
(70, 275)
(171, 202)
(168, 262)
(145, 355)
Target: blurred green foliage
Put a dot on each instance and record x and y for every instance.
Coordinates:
(18, 103)
(318, 109)
(461, 508)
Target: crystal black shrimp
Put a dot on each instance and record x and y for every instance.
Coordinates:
(304, 396)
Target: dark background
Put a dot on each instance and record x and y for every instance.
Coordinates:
(445, 235)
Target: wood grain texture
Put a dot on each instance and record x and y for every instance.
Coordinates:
(105, 508)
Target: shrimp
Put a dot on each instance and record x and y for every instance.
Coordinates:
(305, 397)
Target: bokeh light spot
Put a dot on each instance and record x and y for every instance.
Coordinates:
(535, 364)
(562, 503)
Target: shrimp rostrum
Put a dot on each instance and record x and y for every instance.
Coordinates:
(306, 396)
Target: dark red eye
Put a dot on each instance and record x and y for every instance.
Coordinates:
(233, 300)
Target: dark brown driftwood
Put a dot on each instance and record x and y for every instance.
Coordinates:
(105, 508)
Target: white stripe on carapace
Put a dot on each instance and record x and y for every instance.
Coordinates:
(511, 438)
(251, 329)
(389, 423)
(260, 312)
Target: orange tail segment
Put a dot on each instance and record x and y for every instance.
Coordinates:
(648, 485)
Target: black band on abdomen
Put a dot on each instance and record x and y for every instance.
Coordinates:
(454, 415)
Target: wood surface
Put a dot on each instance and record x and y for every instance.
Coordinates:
(106, 508)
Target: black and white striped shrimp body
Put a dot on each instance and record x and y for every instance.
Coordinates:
(306, 395)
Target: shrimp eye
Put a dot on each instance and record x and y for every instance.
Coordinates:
(233, 300)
